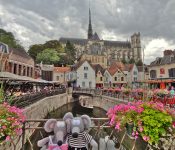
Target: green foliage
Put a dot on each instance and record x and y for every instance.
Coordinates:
(1, 93)
(124, 61)
(48, 56)
(155, 123)
(70, 53)
(139, 63)
(131, 61)
(55, 44)
(9, 39)
(52, 44)
(35, 49)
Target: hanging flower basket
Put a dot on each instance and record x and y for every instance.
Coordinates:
(11, 119)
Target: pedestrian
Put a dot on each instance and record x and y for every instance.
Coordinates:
(172, 91)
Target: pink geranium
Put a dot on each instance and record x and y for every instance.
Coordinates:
(11, 119)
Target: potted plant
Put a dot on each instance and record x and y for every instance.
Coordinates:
(11, 119)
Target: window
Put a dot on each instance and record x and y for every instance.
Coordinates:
(85, 68)
(90, 84)
(171, 72)
(135, 72)
(153, 74)
(115, 78)
(83, 84)
(101, 78)
(135, 78)
(122, 78)
(85, 76)
(57, 78)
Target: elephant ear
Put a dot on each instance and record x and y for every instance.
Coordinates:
(67, 118)
(49, 125)
(86, 121)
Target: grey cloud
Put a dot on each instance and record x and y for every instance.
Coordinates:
(51, 19)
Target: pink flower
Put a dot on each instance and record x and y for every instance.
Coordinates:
(140, 129)
(136, 136)
(133, 133)
(7, 138)
(173, 124)
(146, 138)
(117, 126)
(4, 127)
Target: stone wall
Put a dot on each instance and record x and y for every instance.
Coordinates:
(105, 102)
(39, 110)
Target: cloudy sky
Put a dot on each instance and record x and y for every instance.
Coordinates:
(37, 21)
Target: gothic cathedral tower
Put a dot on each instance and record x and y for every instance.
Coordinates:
(90, 31)
(136, 46)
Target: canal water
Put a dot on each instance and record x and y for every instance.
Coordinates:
(76, 109)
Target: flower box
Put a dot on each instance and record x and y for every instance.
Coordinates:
(151, 120)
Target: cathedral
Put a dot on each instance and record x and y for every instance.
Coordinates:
(112, 50)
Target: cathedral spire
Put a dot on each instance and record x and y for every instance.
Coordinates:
(90, 32)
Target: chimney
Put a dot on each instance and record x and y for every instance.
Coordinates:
(167, 52)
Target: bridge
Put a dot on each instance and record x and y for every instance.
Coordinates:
(120, 97)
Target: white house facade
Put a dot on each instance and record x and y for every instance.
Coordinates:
(85, 75)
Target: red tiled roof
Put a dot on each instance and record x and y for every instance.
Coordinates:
(61, 69)
(115, 66)
(128, 67)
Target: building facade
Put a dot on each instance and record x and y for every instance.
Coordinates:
(163, 67)
(85, 75)
(16, 61)
(95, 59)
(113, 50)
(60, 74)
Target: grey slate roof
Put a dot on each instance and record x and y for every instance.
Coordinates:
(163, 60)
(117, 43)
(95, 37)
(79, 41)
(98, 67)
(20, 52)
(73, 41)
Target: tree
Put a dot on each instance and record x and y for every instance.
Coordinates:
(48, 56)
(70, 51)
(54, 44)
(131, 61)
(139, 63)
(35, 49)
(9, 39)
(124, 61)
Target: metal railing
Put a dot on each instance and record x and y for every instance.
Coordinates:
(130, 97)
(28, 99)
(100, 123)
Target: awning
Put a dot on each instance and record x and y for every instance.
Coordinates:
(14, 77)
(161, 81)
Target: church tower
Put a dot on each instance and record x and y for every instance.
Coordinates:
(136, 46)
(90, 32)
